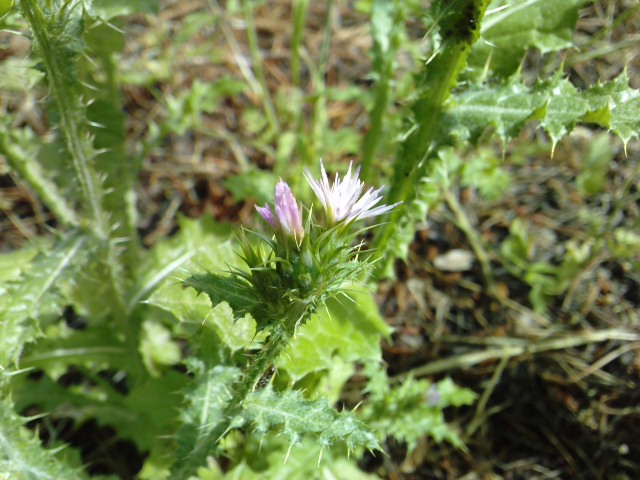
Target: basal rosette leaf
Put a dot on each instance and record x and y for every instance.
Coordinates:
(204, 405)
(21, 454)
(144, 415)
(33, 296)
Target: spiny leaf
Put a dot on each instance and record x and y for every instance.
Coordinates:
(297, 418)
(350, 327)
(194, 310)
(205, 401)
(34, 296)
(414, 408)
(231, 289)
(21, 455)
(507, 108)
(268, 457)
(511, 27)
(617, 107)
(556, 103)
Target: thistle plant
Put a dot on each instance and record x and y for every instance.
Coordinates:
(291, 273)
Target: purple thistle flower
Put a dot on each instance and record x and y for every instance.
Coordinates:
(287, 218)
(344, 200)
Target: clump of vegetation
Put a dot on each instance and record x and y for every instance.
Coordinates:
(478, 313)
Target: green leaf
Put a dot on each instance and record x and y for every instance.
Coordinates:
(413, 409)
(194, 311)
(62, 346)
(512, 27)
(21, 455)
(507, 108)
(484, 171)
(350, 327)
(18, 74)
(615, 105)
(204, 402)
(143, 416)
(229, 288)
(290, 413)
(201, 243)
(157, 347)
(270, 456)
(34, 297)
(565, 107)
(555, 103)
(154, 405)
(13, 264)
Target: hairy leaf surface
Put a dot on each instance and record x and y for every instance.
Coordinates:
(290, 413)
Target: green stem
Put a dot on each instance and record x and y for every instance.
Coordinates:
(72, 119)
(385, 48)
(460, 31)
(256, 58)
(78, 144)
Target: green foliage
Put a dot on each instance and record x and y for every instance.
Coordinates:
(32, 295)
(271, 456)
(296, 418)
(547, 279)
(21, 455)
(414, 408)
(108, 328)
(513, 27)
(206, 399)
(440, 116)
(349, 327)
(555, 103)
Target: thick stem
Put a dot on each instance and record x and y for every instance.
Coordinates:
(460, 28)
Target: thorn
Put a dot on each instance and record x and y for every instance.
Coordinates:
(288, 452)
(89, 86)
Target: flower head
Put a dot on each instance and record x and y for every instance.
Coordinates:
(287, 217)
(344, 200)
